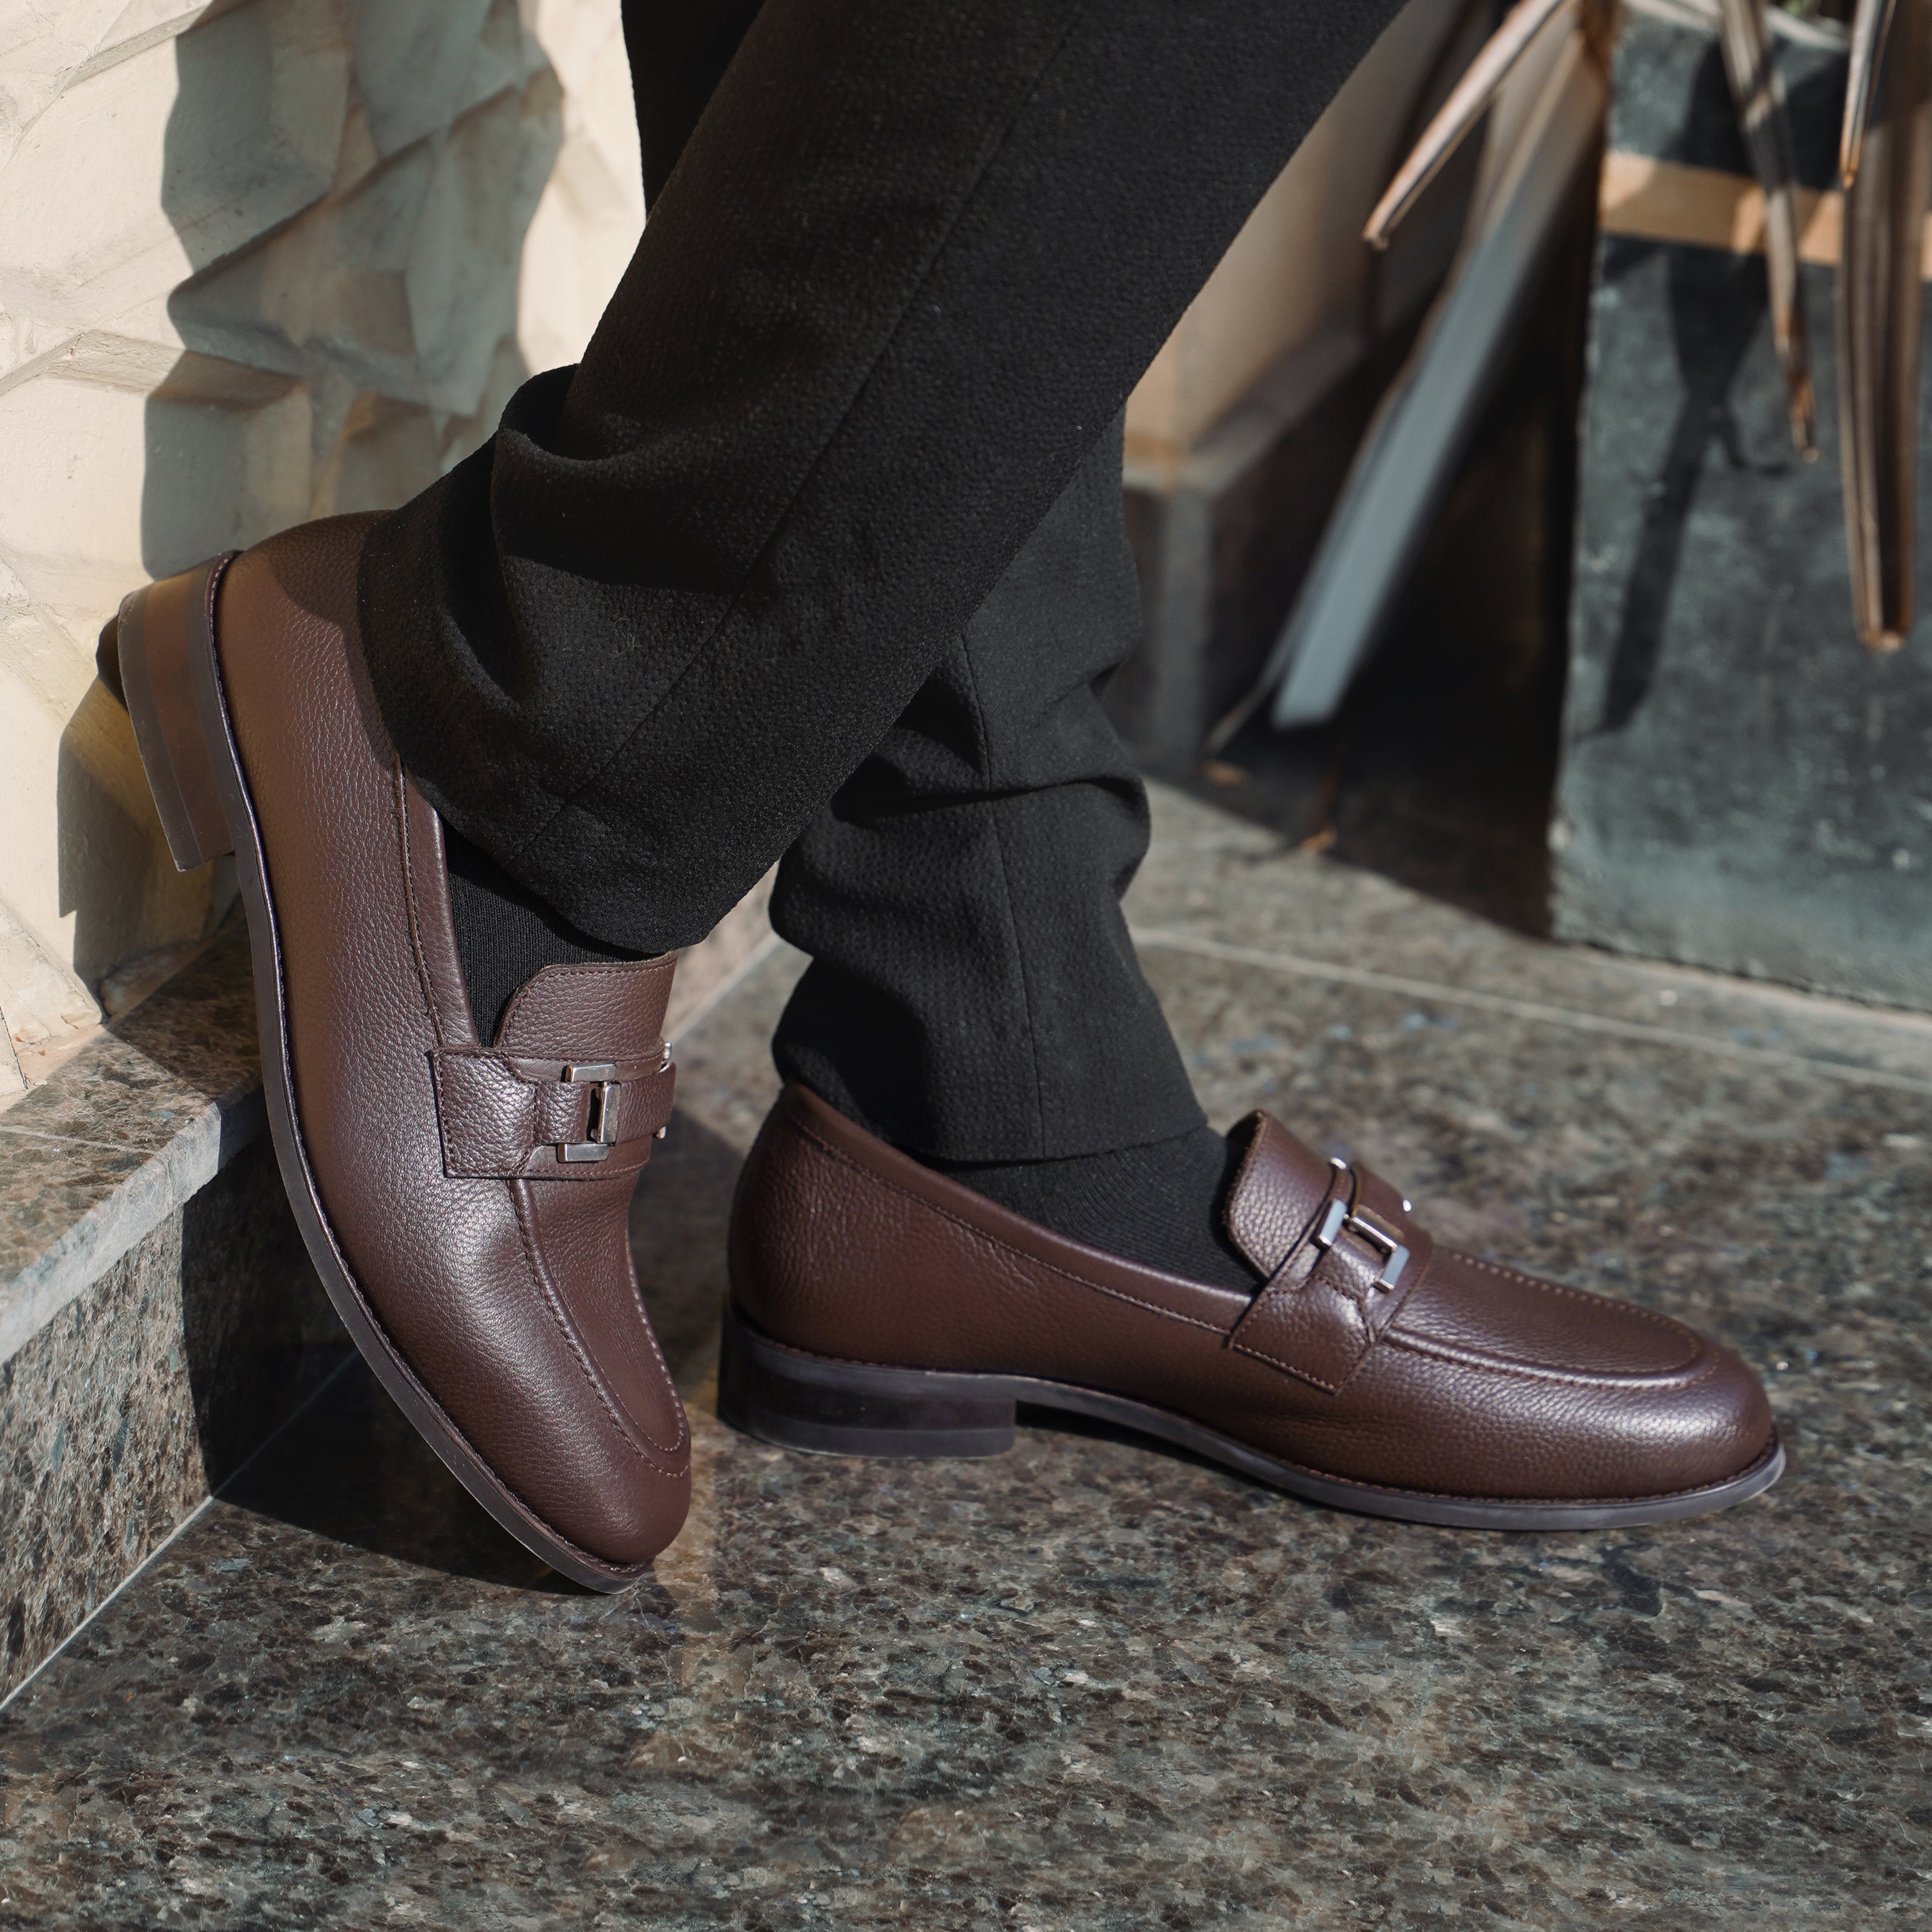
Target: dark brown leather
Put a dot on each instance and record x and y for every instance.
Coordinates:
(1462, 1379)
(1331, 1298)
(503, 1115)
(509, 1295)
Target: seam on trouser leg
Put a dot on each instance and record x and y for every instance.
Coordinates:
(995, 148)
(991, 805)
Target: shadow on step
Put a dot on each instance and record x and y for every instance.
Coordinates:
(679, 1218)
(351, 1468)
(258, 1336)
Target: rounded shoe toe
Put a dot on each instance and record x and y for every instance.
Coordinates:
(1564, 1393)
(623, 1514)
(1707, 1430)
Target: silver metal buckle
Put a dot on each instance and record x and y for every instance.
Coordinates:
(1395, 1256)
(601, 1120)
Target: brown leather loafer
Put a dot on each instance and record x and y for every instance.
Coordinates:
(880, 1308)
(465, 1207)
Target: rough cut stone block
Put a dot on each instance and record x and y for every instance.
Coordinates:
(74, 248)
(259, 260)
(415, 57)
(462, 277)
(586, 222)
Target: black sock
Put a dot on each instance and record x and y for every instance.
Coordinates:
(1160, 1204)
(504, 933)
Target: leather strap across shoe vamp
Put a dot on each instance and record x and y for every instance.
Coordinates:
(1340, 1251)
(578, 1085)
(512, 1116)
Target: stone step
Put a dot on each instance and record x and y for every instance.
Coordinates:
(159, 1319)
(1089, 1684)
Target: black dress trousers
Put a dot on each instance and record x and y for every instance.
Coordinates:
(818, 553)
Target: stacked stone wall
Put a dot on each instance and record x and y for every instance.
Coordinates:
(259, 262)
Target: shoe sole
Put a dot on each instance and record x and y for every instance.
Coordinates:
(801, 1401)
(171, 677)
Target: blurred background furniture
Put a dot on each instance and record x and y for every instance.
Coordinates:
(1548, 495)
(1242, 431)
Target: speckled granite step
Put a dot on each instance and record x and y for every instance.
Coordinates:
(158, 1318)
(1089, 1686)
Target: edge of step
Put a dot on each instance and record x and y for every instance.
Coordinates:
(159, 1318)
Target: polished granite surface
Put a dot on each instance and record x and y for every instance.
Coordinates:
(145, 1393)
(102, 1152)
(158, 1318)
(1088, 1684)
(123, 1134)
